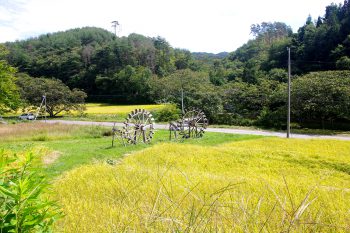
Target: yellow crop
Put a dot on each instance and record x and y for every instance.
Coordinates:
(267, 185)
(118, 109)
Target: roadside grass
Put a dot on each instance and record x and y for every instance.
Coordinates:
(294, 131)
(321, 132)
(258, 185)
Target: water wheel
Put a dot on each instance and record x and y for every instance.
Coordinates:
(192, 125)
(139, 126)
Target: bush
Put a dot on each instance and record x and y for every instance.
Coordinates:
(169, 113)
(22, 208)
(232, 119)
(273, 119)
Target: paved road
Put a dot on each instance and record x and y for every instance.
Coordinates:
(218, 130)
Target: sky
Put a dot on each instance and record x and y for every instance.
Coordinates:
(196, 25)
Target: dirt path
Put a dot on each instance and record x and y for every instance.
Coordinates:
(218, 130)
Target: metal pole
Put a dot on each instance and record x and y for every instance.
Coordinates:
(41, 104)
(289, 82)
(182, 97)
(182, 101)
(45, 106)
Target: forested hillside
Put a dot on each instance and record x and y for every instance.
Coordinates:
(97, 61)
(247, 86)
(322, 44)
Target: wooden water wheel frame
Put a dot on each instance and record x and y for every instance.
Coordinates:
(192, 125)
(139, 126)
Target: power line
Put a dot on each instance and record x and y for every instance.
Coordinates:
(316, 62)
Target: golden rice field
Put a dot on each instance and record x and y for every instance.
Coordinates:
(94, 108)
(260, 185)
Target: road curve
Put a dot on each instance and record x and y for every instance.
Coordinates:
(217, 130)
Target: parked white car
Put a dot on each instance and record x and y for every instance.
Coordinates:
(27, 116)
(2, 121)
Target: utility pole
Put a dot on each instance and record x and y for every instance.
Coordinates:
(182, 101)
(182, 97)
(289, 82)
(114, 25)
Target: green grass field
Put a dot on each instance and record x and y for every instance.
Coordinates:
(221, 183)
(79, 145)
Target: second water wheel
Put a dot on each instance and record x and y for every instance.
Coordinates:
(139, 126)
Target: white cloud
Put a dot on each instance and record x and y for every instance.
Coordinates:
(212, 26)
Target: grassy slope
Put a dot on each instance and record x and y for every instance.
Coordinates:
(263, 184)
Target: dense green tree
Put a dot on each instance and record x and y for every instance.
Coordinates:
(343, 63)
(134, 83)
(130, 85)
(344, 18)
(197, 90)
(183, 59)
(245, 100)
(9, 95)
(321, 97)
(274, 112)
(217, 74)
(168, 89)
(58, 96)
(278, 74)
(263, 103)
(165, 63)
(270, 32)
(277, 54)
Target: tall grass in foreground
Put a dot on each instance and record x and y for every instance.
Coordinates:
(22, 207)
(263, 185)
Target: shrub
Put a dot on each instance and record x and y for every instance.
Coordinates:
(22, 208)
(275, 119)
(169, 113)
(233, 119)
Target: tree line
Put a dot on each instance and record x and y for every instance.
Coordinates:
(245, 87)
